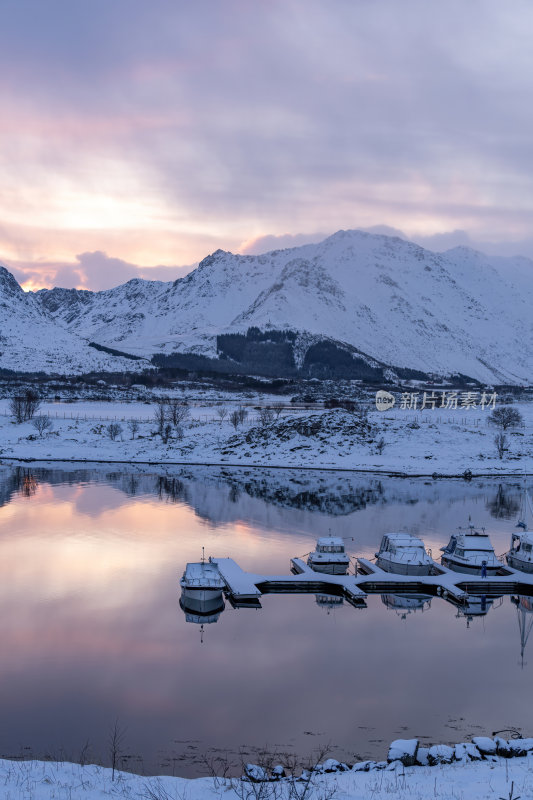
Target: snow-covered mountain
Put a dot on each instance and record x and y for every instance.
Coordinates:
(31, 340)
(390, 299)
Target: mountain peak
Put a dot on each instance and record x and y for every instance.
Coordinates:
(211, 259)
(8, 283)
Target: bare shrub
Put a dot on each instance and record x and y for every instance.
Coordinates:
(380, 445)
(255, 782)
(114, 430)
(500, 440)
(16, 408)
(243, 414)
(277, 408)
(116, 738)
(24, 407)
(133, 425)
(167, 430)
(178, 411)
(160, 415)
(222, 413)
(42, 423)
(261, 781)
(235, 419)
(31, 404)
(506, 417)
(266, 416)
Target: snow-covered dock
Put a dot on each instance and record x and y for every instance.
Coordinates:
(246, 588)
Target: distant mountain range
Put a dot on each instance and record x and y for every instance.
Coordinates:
(355, 305)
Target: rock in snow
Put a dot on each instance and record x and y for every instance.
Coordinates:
(404, 750)
(440, 754)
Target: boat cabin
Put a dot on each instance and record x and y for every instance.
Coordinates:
(330, 544)
(400, 543)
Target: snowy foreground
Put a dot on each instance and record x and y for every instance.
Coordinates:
(398, 442)
(49, 780)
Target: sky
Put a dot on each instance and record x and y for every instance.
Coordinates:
(136, 138)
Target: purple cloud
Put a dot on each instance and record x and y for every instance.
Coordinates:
(161, 134)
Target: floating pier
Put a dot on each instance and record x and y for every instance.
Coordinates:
(244, 589)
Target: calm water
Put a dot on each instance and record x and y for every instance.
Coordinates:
(92, 631)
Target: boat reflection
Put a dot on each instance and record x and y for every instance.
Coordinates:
(205, 613)
(329, 601)
(475, 606)
(524, 610)
(404, 604)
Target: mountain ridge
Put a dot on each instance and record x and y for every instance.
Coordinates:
(389, 299)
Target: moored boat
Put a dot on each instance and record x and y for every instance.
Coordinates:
(471, 551)
(201, 587)
(403, 554)
(329, 556)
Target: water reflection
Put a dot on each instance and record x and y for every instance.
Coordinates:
(404, 604)
(470, 608)
(328, 601)
(524, 610)
(90, 561)
(504, 504)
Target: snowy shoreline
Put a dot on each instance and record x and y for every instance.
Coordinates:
(38, 461)
(475, 778)
(396, 444)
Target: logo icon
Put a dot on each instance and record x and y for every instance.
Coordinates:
(384, 400)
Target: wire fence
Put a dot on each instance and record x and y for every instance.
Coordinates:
(407, 418)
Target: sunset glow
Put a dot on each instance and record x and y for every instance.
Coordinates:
(224, 128)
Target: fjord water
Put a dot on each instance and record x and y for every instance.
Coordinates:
(92, 632)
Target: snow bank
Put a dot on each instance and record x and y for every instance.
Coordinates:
(480, 780)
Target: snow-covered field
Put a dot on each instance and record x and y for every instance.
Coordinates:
(49, 780)
(399, 442)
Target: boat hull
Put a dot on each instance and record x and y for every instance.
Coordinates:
(467, 569)
(518, 563)
(403, 569)
(205, 612)
(203, 600)
(331, 568)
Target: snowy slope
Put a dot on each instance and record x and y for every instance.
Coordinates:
(31, 340)
(391, 299)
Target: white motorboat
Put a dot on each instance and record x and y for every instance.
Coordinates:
(520, 556)
(470, 551)
(403, 554)
(201, 587)
(329, 556)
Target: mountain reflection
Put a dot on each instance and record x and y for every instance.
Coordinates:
(335, 494)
